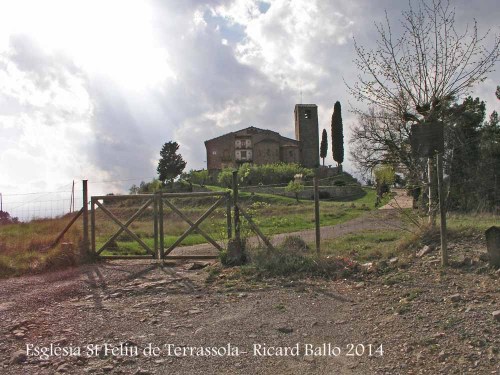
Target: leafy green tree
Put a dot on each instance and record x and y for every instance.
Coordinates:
(295, 187)
(170, 164)
(134, 189)
(200, 177)
(225, 178)
(384, 177)
(146, 187)
(337, 134)
(324, 146)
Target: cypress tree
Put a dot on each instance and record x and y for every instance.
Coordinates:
(324, 146)
(337, 134)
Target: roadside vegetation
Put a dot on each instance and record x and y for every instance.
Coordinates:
(25, 247)
(387, 253)
(273, 214)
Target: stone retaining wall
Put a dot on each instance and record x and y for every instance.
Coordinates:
(325, 192)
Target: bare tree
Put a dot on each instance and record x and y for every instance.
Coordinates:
(430, 61)
(409, 78)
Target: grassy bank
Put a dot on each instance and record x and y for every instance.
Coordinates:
(24, 247)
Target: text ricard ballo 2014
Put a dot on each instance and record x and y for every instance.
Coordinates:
(45, 352)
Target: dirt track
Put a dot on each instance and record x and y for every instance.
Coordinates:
(142, 302)
(371, 220)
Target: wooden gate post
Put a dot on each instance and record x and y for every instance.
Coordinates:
(85, 244)
(228, 217)
(442, 210)
(160, 223)
(316, 214)
(155, 225)
(92, 225)
(237, 228)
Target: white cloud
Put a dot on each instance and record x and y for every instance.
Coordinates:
(92, 89)
(288, 42)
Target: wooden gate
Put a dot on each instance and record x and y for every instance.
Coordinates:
(157, 201)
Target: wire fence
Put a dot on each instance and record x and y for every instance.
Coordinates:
(44, 205)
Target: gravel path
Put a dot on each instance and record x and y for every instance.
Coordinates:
(371, 220)
(426, 319)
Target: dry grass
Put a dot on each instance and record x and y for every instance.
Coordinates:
(24, 247)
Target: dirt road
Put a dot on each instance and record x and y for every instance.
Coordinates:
(426, 321)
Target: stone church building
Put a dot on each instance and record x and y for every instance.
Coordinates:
(261, 146)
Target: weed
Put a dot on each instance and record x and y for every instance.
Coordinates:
(403, 308)
(396, 278)
(412, 294)
(450, 322)
(280, 307)
(280, 262)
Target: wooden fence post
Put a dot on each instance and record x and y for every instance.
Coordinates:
(85, 244)
(92, 225)
(228, 217)
(160, 213)
(237, 228)
(316, 214)
(431, 191)
(155, 225)
(442, 210)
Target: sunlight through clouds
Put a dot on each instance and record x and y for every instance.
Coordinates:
(92, 89)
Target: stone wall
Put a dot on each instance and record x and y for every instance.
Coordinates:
(326, 192)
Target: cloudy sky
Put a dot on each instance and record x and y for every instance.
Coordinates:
(93, 88)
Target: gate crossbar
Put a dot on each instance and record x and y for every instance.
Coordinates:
(119, 223)
(194, 226)
(191, 224)
(127, 223)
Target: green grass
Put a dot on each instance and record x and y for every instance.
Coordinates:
(365, 245)
(478, 222)
(266, 210)
(134, 248)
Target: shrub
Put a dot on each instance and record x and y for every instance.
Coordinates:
(281, 262)
(200, 177)
(294, 244)
(268, 174)
(323, 195)
(225, 178)
(291, 258)
(5, 218)
(295, 187)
